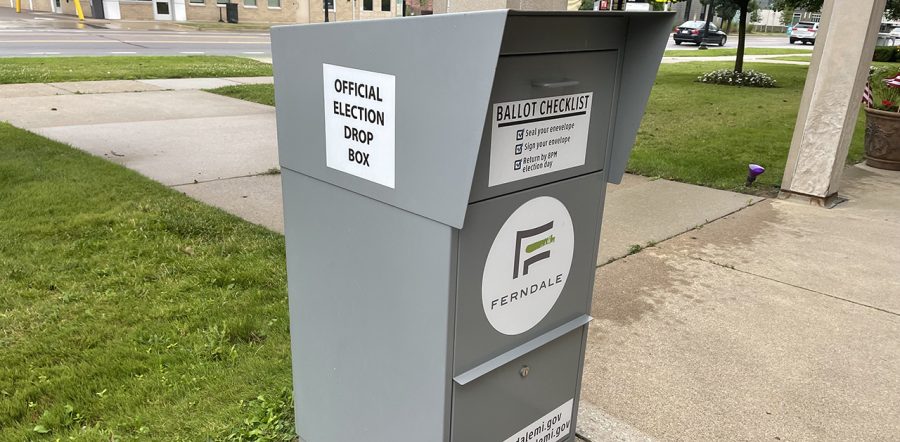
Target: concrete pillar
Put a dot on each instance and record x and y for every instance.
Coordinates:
(831, 99)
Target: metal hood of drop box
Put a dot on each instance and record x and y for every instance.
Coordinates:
(443, 91)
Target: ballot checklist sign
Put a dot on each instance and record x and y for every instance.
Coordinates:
(360, 120)
(538, 136)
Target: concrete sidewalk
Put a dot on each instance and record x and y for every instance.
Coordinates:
(779, 322)
(740, 319)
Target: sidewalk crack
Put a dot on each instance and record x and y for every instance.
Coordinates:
(732, 267)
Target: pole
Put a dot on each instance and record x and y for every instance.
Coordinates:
(18, 5)
(78, 10)
(325, 7)
(705, 35)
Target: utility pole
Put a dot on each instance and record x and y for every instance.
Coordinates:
(325, 7)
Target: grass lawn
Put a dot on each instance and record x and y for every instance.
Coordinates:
(257, 93)
(707, 134)
(731, 52)
(58, 69)
(699, 133)
(129, 311)
(793, 58)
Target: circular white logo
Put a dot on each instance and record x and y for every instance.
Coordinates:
(528, 265)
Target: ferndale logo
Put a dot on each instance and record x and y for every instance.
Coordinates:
(536, 242)
(521, 236)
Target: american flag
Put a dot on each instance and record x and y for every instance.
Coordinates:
(867, 96)
(892, 82)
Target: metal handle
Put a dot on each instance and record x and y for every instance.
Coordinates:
(554, 84)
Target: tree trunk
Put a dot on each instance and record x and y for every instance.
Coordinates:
(742, 33)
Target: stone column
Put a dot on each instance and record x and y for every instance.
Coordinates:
(831, 100)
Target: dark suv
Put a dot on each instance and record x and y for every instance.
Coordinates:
(692, 32)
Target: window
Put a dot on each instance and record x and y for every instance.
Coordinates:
(250, 3)
(329, 4)
(386, 5)
(221, 2)
(367, 5)
(196, 2)
(816, 17)
(274, 3)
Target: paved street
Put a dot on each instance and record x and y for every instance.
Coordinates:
(37, 34)
(43, 33)
(753, 41)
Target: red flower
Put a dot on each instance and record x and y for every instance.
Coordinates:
(887, 103)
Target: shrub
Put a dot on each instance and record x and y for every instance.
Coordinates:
(728, 77)
(886, 53)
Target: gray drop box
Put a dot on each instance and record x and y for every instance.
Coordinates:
(398, 332)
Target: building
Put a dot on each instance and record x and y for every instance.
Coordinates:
(253, 11)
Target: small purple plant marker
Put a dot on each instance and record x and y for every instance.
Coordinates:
(753, 171)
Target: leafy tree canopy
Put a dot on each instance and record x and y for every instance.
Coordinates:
(891, 10)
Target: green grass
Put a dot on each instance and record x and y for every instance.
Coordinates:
(793, 58)
(873, 63)
(731, 52)
(257, 93)
(129, 311)
(699, 133)
(707, 134)
(59, 69)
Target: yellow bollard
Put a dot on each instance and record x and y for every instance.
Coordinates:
(78, 10)
(18, 5)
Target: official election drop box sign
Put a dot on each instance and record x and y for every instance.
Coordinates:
(443, 183)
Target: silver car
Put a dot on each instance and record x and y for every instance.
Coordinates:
(804, 31)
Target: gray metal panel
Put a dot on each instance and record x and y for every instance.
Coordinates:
(644, 48)
(370, 289)
(444, 67)
(497, 405)
(595, 72)
(476, 340)
(521, 350)
(541, 32)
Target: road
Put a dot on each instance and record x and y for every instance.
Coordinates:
(753, 41)
(37, 34)
(46, 34)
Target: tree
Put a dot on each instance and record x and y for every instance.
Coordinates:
(891, 9)
(727, 10)
(787, 17)
(743, 8)
(754, 12)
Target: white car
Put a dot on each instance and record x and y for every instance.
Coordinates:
(895, 33)
(805, 32)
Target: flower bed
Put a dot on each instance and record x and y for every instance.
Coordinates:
(729, 77)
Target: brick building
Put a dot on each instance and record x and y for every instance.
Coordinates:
(253, 11)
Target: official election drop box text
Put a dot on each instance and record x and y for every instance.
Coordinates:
(443, 183)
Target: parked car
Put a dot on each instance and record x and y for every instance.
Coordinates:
(693, 32)
(804, 31)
